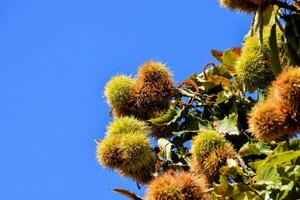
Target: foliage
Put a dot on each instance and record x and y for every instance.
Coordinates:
(209, 138)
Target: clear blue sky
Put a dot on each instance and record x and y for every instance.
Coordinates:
(55, 58)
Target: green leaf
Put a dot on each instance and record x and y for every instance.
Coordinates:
(254, 149)
(232, 171)
(171, 116)
(235, 191)
(193, 77)
(228, 125)
(165, 118)
(230, 56)
(219, 80)
(288, 146)
(291, 172)
(223, 96)
(287, 189)
(256, 164)
(248, 195)
(224, 188)
(193, 123)
(292, 35)
(222, 70)
(279, 158)
(267, 174)
(274, 59)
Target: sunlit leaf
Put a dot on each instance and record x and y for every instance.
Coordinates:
(224, 188)
(267, 174)
(228, 125)
(223, 96)
(221, 70)
(279, 158)
(171, 116)
(230, 56)
(248, 195)
(219, 80)
(254, 149)
(166, 147)
(291, 145)
(256, 164)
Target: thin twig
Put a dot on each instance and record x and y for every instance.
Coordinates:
(185, 93)
(204, 68)
(244, 166)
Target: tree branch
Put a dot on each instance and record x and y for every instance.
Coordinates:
(185, 93)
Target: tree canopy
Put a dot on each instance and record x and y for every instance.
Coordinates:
(208, 137)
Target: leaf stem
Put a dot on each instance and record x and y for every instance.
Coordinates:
(205, 67)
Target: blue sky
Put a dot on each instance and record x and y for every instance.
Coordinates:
(55, 58)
